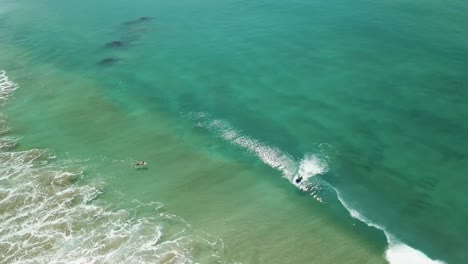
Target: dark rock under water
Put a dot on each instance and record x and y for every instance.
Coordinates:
(115, 44)
(108, 61)
(138, 20)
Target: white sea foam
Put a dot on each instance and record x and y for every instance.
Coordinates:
(309, 166)
(6, 87)
(46, 216)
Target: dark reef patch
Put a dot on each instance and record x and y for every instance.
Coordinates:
(115, 44)
(138, 20)
(108, 61)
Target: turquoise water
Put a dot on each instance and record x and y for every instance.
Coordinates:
(229, 102)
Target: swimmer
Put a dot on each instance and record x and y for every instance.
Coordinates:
(299, 179)
(141, 163)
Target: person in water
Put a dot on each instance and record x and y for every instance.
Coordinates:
(299, 179)
(141, 163)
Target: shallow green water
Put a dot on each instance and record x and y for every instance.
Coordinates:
(222, 99)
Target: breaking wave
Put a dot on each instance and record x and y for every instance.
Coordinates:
(397, 252)
(308, 167)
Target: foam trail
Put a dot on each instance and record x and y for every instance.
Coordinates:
(310, 166)
(47, 217)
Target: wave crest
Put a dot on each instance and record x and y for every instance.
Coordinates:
(397, 252)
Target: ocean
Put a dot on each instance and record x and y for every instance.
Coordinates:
(298, 131)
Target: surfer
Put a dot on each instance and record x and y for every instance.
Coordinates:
(141, 163)
(299, 179)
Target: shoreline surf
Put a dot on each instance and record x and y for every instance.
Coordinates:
(47, 216)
